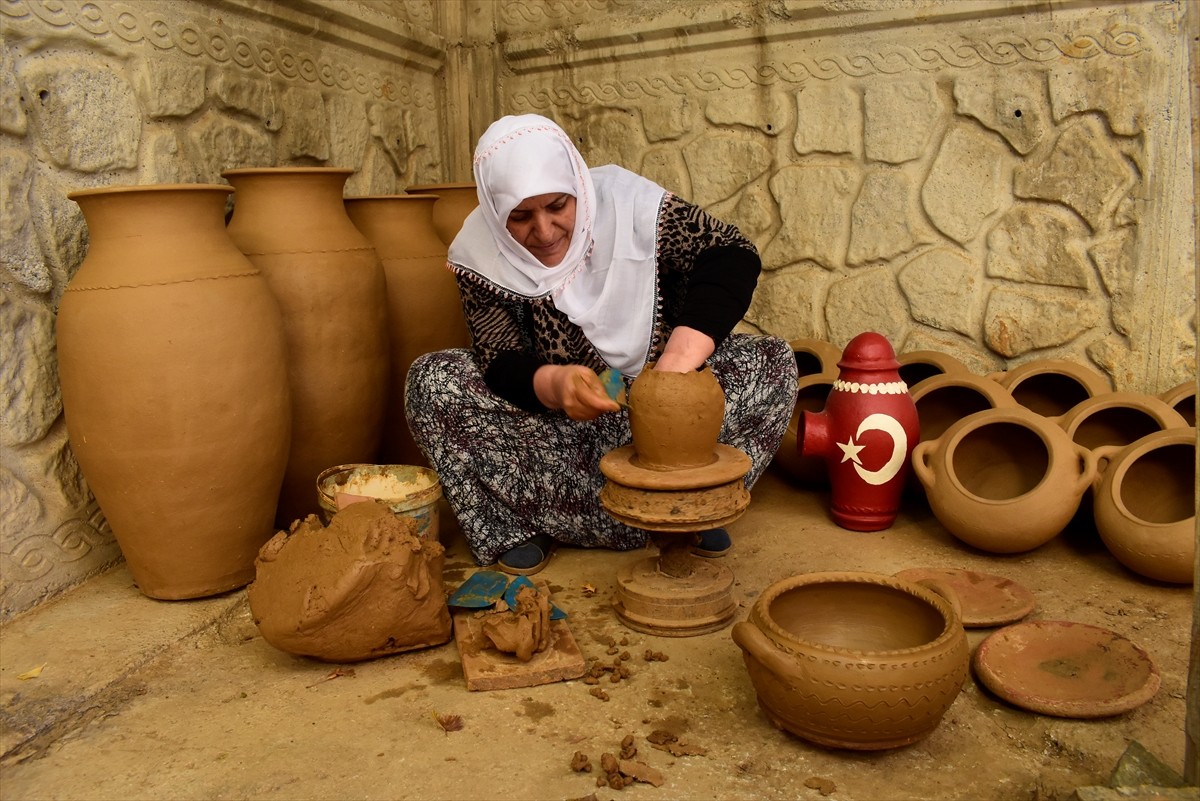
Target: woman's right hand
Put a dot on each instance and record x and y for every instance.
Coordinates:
(573, 388)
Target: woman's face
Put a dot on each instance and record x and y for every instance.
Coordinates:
(543, 224)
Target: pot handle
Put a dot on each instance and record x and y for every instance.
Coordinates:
(1104, 455)
(920, 462)
(946, 591)
(751, 640)
(1089, 471)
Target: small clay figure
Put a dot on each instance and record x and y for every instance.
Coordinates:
(522, 631)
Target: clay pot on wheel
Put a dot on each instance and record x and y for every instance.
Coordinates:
(675, 418)
(854, 660)
(1145, 505)
(1004, 480)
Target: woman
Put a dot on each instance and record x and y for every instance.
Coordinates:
(565, 271)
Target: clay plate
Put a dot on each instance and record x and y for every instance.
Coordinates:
(1070, 670)
(986, 600)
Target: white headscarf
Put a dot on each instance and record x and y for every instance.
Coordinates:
(605, 283)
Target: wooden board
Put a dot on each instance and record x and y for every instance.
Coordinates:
(485, 668)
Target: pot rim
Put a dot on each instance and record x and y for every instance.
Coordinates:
(240, 171)
(1152, 406)
(1043, 427)
(951, 627)
(1125, 458)
(122, 189)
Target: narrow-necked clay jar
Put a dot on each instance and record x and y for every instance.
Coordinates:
(455, 202)
(1145, 505)
(1051, 387)
(1183, 400)
(854, 660)
(424, 309)
(292, 224)
(918, 365)
(1004, 480)
(1108, 422)
(815, 357)
(811, 394)
(675, 418)
(173, 369)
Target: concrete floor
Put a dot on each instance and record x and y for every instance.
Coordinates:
(141, 699)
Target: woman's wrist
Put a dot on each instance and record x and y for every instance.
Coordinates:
(686, 349)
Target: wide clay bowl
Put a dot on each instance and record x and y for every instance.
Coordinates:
(815, 356)
(1182, 398)
(1004, 480)
(854, 660)
(1145, 505)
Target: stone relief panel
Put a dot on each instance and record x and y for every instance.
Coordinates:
(980, 187)
(109, 93)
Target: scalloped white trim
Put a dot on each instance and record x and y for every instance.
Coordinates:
(886, 388)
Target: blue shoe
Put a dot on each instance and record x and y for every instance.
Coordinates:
(529, 557)
(713, 543)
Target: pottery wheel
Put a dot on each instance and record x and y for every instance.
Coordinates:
(986, 600)
(1066, 669)
(653, 603)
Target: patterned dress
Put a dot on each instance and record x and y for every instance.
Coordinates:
(511, 471)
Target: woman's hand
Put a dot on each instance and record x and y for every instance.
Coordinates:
(573, 388)
(686, 350)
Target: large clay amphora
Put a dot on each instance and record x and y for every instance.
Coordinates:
(855, 660)
(455, 202)
(291, 223)
(675, 418)
(174, 384)
(1004, 480)
(1145, 505)
(865, 433)
(424, 309)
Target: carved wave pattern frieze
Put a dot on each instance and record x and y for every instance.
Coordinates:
(1002, 50)
(139, 22)
(77, 539)
(523, 12)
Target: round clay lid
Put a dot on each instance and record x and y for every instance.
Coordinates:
(1070, 670)
(986, 600)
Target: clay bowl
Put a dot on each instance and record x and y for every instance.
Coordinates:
(408, 490)
(1051, 387)
(1145, 505)
(917, 366)
(854, 660)
(1108, 422)
(1004, 480)
(1183, 400)
(815, 356)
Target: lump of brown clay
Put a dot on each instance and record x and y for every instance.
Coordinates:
(522, 631)
(363, 587)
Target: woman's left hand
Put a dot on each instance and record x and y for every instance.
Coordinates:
(686, 350)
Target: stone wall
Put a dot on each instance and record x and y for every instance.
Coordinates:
(164, 91)
(998, 179)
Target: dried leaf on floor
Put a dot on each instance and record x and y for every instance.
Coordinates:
(449, 723)
(333, 674)
(33, 673)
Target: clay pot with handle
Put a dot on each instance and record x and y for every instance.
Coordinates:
(1145, 505)
(1004, 480)
(855, 660)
